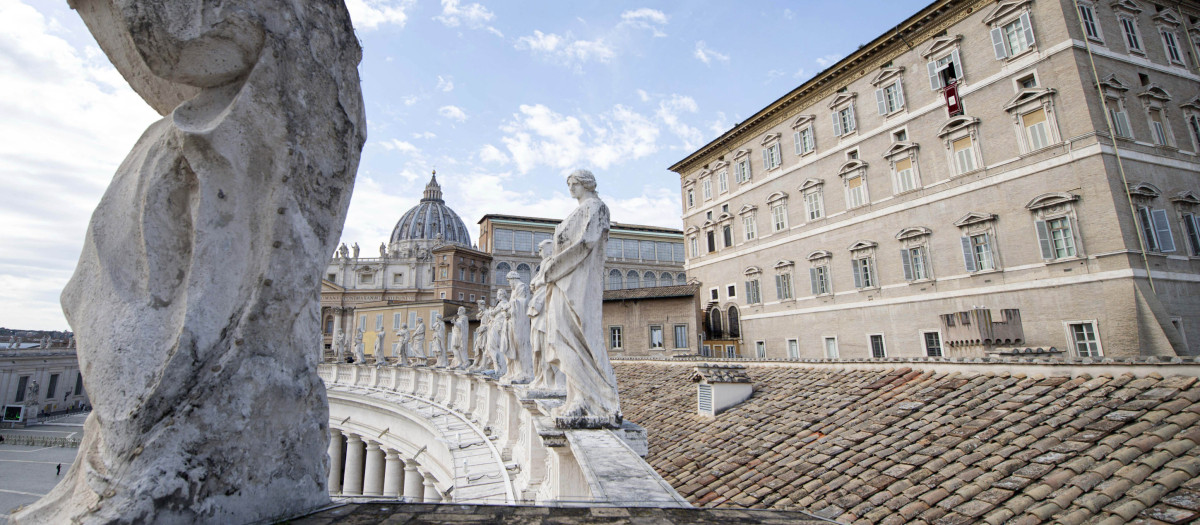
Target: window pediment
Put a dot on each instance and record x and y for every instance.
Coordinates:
(1113, 83)
(811, 183)
(900, 148)
(770, 138)
(741, 153)
(689, 183)
(956, 124)
(724, 217)
(887, 75)
(974, 218)
(784, 263)
(777, 196)
(709, 223)
(803, 120)
(749, 208)
(1047, 200)
(912, 232)
(1156, 92)
(1028, 95)
(704, 173)
(692, 229)
(719, 164)
(1186, 197)
(819, 254)
(1144, 189)
(940, 45)
(753, 270)
(862, 245)
(842, 99)
(1004, 9)
(1126, 6)
(852, 165)
(1167, 17)
(1194, 103)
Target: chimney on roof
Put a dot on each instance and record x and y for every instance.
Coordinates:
(720, 386)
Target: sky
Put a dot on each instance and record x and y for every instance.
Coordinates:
(503, 99)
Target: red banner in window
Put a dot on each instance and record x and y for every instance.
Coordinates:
(953, 103)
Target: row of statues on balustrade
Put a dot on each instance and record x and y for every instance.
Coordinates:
(15, 342)
(509, 342)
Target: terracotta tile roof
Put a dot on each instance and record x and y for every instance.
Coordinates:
(656, 292)
(720, 373)
(903, 446)
(362, 513)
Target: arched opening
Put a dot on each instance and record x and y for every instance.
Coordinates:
(715, 329)
(666, 280)
(649, 280)
(502, 270)
(525, 272)
(681, 278)
(328, 324)
(614, 280)
(631, 280)
(735, 329)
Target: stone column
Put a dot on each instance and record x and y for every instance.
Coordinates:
(354, 466)
(393, 474)
(373, 479)
(413, 492)
(336, 461)
(431, 492)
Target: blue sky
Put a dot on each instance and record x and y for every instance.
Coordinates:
(502, 98)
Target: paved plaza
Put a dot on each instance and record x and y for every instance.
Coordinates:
(28, 473)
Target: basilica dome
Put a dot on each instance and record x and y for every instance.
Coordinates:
(431, 219)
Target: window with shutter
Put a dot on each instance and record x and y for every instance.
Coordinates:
(905, 179)
(1172, 47)
(964, 155)
(1035, 129)
(1162, 230)
(1133, 40)
(968, 255)
(1191, 225)
(1147, 227)
(1088, 16)
(906, 263)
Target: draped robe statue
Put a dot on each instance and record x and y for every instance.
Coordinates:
(208, 242)
(497, 338)
(480, 349)
(339, 346)
(544, 375)
(360, 354)
(416, 345)
(379, 357)
(458, 338)
(437, 347)
(401, 351)
(574, 300)
(519, 358)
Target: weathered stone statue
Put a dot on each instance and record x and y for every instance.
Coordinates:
(344, 251)
(574, 300)
(383, 253)
(339, 346)
(31, 393)
(480, 348)
(402, 342)
(545, 376)
(360, 354)
(519, 357)
(437, 347)
(498, 340)
(210, 238)
(416, 347)
(354, 251)
(458, 339)
(379, 335)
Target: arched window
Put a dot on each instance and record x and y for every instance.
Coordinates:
(649, 280)
(735, 329)
(715, 330)
(681, 278)
(502, 270)
(666, 280)
(329, 324)
(526, 274)
(614, 279)
(631, 280)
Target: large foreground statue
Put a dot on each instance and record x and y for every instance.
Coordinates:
(574, 300)
(194, 300)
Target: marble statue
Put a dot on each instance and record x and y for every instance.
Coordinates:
(12, 341)
(518, 356)
(354, 251)
(545, 376)
(458, 339)
(498, 340)
(360, 356)
(339, 346)
(72, 343)
(379, 357)
(574, 300)
(344, 251)
(416, 347)
(31, 392)
(480, 347)
(20, 341)
(383, 253)
(400, 351)
(211, 233)
(437, 346)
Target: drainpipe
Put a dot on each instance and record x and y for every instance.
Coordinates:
(1112, 133)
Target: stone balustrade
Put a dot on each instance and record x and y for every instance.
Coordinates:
(468, 438)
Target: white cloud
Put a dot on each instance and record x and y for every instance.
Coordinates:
(788, 14)
(370, 14)
(668, 112)
(453, 112)
(566, 50)
(424, 135)
(799, 74)
(720, 125)
(445, 83)
(827, 60)
(409, 100)
(645, 97)
(645, 18)
(706, 55)
(492, 155)
(539, 136)
(474, 16)
(400, 146)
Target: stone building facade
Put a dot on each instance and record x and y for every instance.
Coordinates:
(661, 322)
(35, 381)
(963, 167)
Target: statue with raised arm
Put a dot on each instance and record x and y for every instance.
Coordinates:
(416, 347)
(437, 346)
(193, 296)
(574, 301)
(545, 376)
(458, 339)
(519, 357)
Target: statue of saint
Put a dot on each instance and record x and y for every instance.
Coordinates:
(383, 251)
(458, 339)
(480, 348)
(354, 250)
(344, 251)
(379, 335)
(498, 340)
(574, 305)
(339, 346)
(518, 354)
(437, 347)
(400, 351)
(359, 352)
(417, 347)
(545, 376)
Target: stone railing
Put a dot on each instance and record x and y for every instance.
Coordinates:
(542, 464)
(40, 441)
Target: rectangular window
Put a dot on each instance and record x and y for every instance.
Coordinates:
(783, 286)
(1172, 47)
(412, 320)
(814, 207)
(695, 246)
(471, 298)
(656, 336)
(1157, 230)
(741, 170)
(772, 157)
(1191, 226)
(723, 181)
(706, 187)
(964, 155)
(706, 351)
(864, 272)
(890, 98)
(664, 252)
(681, 338)
(933, 344)
(760, 349)
(915, 263)
(1084, 339)
(905, 179)
(613, 249)
(750, 226)
(804, 141)
(677, 251)
(379, 322)
(1017, 36)
(1119, 120)
(843, 121)
(1193, 126)
(503, 240)
(1088, 16)
(877, 349)
(856, 194)
(731, 291)
(977, 252)
(831, 348)
(793, 349)
(727, 234)
(647, 250)
(616, 339)
(819, 279)
(52, 387)
(1035, 129)
(1132, 40)
(691, 198)
(1157, 129)
(523, 241)
(753, 293)
(397, 320)
(22, 386)
(631, 249)
(944, 71)
(1055, 238)
(362, 322)
(730, 351)
(711, 238)
(779, 217)
(79, 384)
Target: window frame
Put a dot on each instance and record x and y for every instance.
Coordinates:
(1094, 24)
(753, 289)
(772, 151)
(871, 338)
(1073, 343)
(793, 348)
(1171, 44)
(723, 181)
(899, 153)
(749, 225)
(855, 169)
(814, 199)
(844, 120)
(862, 265)
(837, 353)
(676, 339)
(804, 135)
(820, 278)
(616, 334)
(973, 227)
(925, 343)
(777, 205)
(1131, 34)
(662, 344)
(952, 132)
(1016, 15)
(743, 170)
(944, 48)
(1050, 207)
